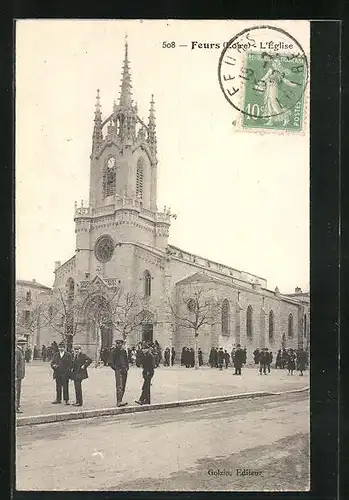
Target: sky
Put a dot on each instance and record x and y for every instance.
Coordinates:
(241, 198)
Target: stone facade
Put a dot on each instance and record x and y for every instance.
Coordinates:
(122, 239)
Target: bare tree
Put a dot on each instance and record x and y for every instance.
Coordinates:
(28, 320)
(128, 312)
(195, 308)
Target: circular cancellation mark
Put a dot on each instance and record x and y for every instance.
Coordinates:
(263, 72)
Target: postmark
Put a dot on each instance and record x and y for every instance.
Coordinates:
(263, 73)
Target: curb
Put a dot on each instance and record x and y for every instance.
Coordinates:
(78, 415)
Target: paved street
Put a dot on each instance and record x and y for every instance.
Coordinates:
(173, 449)
(169, 384)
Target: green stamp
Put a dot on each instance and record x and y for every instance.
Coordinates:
(274, 87)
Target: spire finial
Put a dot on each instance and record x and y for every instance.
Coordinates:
(97, 131)
(126, 94)
(151, 124)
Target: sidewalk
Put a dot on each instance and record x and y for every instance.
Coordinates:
(169, 384)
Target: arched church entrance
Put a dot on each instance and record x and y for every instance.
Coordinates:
(147, 327)
(147, 332)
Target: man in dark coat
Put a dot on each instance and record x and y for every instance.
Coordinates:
(263, 361)
(118, 362)
(148, 365)
(191, 356)
(173, 356)
(256, 354)
(238, 359)
(226, 358)
(19, 370)
(79, 372)
(167, 355)
(220, 358)
(245, 356)
(61, 365)
(302, 360)
(269, 359)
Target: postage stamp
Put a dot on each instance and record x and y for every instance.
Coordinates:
(273, 96)
(263, 73)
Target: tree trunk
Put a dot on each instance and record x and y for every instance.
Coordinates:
(196, 353)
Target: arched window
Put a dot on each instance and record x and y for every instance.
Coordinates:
(139, 178)
(290, 325)
(249, 322)
(225, 317)
(305, 325)
(271, 325)
(70, 288)
(147, 283)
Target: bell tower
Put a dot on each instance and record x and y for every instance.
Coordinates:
(123, 157)
(122, 208)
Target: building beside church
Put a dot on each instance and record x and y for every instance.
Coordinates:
(122, 240)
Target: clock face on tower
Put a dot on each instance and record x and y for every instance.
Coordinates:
(111, 162)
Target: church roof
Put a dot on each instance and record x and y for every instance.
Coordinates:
(200, 278)
(32, 284)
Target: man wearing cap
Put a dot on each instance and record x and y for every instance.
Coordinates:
(19, 370)
(118, 361)
(148, 365)
(61, 365)
(79, 372)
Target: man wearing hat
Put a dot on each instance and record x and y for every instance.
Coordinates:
(19, 370)
(118, 361)
(79, 372)
(61, 365)
(238, 359)
(148, 365)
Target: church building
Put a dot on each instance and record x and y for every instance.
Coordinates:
(122, 239)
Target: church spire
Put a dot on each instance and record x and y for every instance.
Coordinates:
(126, 92)
(97, 130)
(152, 126)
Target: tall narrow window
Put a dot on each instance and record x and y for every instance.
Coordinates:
(70, 288)
(249, 322)
(147, 283)
(305, 325)
(271, 325)
(290, 325)
(225, 317)
(28, 297)
(109, 177)
(139, 178)
(26, 318)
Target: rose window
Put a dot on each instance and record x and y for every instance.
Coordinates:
(104, 248)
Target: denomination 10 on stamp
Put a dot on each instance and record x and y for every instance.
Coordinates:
(263, 73)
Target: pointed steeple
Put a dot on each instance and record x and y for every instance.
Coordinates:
(97, 130)
(152, 126)
(125, 100)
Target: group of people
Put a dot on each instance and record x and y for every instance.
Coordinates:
(72, 365)
(286, 358)
(47, 352)
(188, 357)
(219, 358)
(135, 353)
